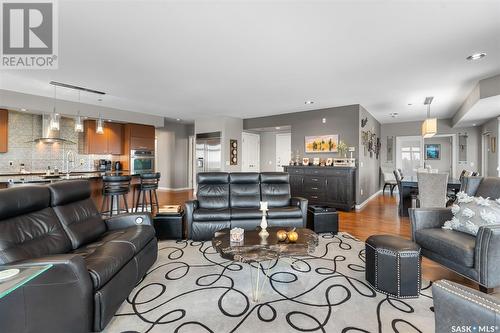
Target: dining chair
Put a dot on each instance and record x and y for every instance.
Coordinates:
(389, 180)
(432, 190)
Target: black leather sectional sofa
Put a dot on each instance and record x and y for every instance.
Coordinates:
(96, 262)
(228, 200)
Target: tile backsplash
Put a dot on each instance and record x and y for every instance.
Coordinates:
(24, 128)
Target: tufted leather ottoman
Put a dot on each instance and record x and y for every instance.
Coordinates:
(393, 265)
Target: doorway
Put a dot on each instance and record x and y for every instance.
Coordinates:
(409, 154)
(283, 150)
(250, 152)
(446, 147)
(485, 151)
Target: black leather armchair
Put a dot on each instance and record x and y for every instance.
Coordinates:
(475, 257)
(459, 309)
(227, 200)
(96, 263)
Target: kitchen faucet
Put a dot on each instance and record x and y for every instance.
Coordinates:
(70, 158)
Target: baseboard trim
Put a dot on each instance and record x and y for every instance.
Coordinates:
(174, 189)
(360, 206)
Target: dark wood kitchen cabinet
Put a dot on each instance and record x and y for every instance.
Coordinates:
(4, 130)
(332, 186)
(140, 137)
(110, 142)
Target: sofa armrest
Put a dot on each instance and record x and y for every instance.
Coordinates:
(55, 300)
(487, 255)
(302, 204)
(471, 184)
(428, 218)
(459, 306)
(190, 206)
(128, 220)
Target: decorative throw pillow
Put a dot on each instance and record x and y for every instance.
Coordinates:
(471, 213)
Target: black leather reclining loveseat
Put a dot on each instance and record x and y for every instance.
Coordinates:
(96, 263)
(228, 200)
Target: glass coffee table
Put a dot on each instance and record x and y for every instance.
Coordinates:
(256, 250)
(13, 277)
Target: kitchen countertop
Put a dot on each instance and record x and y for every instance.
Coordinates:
(33, 178)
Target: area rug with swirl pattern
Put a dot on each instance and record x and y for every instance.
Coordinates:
(192, 289)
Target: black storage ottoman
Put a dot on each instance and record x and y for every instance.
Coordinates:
(169, 225)
(393, 265)
(322, 219)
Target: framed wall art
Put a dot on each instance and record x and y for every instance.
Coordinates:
(432, 151)
(322, 143)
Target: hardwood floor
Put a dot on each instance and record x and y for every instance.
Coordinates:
(379, 216)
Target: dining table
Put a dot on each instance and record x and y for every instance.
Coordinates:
(409, 189)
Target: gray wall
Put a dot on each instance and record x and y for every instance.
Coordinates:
(230, 128)
(492, 127)
(343, 121)
(173, 159)
(368, 167)
(444, 127)
(340, 120)
(445, 161)
(267, 151)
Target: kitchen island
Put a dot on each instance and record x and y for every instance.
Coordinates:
(40, 178)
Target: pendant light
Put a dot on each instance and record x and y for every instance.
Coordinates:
(78, 120)
(54, 118)
(99, 128)
(100, 123)
(429, 126)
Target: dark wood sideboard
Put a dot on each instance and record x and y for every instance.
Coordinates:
(332, 186)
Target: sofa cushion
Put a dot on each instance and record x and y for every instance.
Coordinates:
(452, 245)
(244, 190)
(77, 212)
(275, 188)
(489, 188)
(138, 237)
(284, 212)
(104, 260)
(245, 214)
(213, 190)
(29, 228)
(203, 214)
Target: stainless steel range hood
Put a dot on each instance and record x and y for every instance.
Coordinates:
(49, 136)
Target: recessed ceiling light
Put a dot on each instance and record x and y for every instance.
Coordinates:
(393, 114)
(410, 103)
(473, 124)
(476, 56)
(24, 110)
(323, 120)
(309, 102)
(99, 99)
(178, 119)
(277, 127)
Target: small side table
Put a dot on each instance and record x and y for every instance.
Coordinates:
(322, 219)
(169, 225)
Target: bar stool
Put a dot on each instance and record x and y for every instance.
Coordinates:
(147, 186)
(114, 187)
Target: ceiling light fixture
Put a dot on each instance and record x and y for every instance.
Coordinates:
(476, 56)
(393, 114)
(78, 119)
(24, 110)
(429, 126)
(54, 118)
(410, 104)
(178, 119)
(323, 120)
(278, 128)
(309, 102)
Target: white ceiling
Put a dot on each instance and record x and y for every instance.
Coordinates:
(186, 59)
